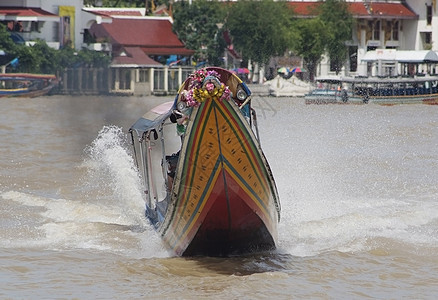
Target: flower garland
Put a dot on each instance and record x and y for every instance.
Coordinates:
(205, 85)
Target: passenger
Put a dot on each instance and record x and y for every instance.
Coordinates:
(172, 161)
(344, 95)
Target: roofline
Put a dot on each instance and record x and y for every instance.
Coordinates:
(29, 18)
(134, 66)
(386, 17)
(49, 17)
(359, 16)
(142, 10)
(96, 10)
(103, 18)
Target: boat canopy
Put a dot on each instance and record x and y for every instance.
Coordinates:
(26, 76)
(401, 56)
(329, 79)
(394, 81)
(153, 118)
(356, 80)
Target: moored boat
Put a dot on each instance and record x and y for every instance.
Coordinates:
(384, 91)
(216, 194)
(26, 85)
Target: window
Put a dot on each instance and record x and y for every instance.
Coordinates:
(395, 31)
(429, 14)
(376, 30)
(144, 75)
(88, 38)
(428, 37)
(34, 26)
(334, 67)
(352, 51)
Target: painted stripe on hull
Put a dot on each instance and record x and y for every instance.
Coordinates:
(218, 142)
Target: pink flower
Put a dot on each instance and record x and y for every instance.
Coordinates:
(226, 94)
(209, 86)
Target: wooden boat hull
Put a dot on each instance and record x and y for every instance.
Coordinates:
(382, 91)
(224, 200)
(221, 198)
(430, 99)
(35, 85)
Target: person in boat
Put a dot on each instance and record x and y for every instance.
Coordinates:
(172, 161)
(344, 95)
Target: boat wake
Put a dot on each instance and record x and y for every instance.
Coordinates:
(106, 213)
(352, 187)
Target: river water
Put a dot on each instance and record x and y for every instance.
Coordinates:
(358, 186)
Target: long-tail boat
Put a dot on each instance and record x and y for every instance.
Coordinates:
(26, 85)
(377, 90)
(208, 186)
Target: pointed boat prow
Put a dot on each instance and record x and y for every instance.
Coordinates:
(218, 196)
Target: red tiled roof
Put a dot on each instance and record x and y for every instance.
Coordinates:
(135, 56)
(304, 8)
(115, 13)
(167, 51)
(145, 35)
(138, 32)
(26, 13)
(359, 9)
(396, 10)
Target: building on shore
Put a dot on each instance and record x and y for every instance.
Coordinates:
(143, 51)
(140, 46)
(380, 26)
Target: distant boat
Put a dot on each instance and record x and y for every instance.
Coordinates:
(384, 91)
(209, 191)
(26, 85)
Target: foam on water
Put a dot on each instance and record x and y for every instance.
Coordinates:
(343, 185)
(108, 214)
(111, 167)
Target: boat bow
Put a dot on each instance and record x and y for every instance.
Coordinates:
(222, 199)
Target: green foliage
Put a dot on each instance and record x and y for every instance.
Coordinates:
(116, 3)
(311, 42)
(40, 58)
(197, 27)
(88, 58)
(260, 29)
(6, 43)
(338, 23)
(326, 33)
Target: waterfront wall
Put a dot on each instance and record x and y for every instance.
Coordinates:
(122, 81)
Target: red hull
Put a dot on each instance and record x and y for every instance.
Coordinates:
(230, 224)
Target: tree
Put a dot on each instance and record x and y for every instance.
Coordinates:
(6, 43)
(338, 22)
(197, 26)
(44, 59)
(40, 58)
(260, 29)
(311, 42)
